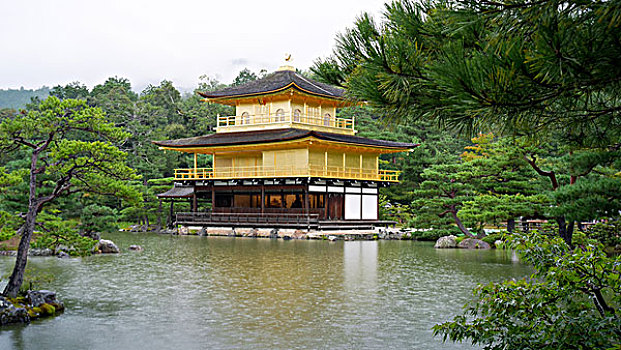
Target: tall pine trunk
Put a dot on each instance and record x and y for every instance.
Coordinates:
(17, 277)
(566, 229)
(510, 225)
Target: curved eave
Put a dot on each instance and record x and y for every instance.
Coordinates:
(262, 145)
(230, 99)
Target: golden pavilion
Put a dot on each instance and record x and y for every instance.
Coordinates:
(284, 160)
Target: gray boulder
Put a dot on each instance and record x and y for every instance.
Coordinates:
(473, 243)
(9, 313)
(62, 255)
(105, 246)
(41, 252)
(136, 247)
(446, 242)
(38, 297)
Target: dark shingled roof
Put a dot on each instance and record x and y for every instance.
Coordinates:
(277, 81)
(177, 192)
(264, 136)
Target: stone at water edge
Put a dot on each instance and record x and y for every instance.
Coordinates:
(184, 230)
(446, 242)
(136, 247)
(473, 243)
(105, 246)
(38, 297)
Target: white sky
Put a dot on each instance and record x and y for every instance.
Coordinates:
(52, 42)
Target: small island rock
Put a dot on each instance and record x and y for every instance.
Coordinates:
(105, 246)
(446, 242)
(136, 247)
(473, 243)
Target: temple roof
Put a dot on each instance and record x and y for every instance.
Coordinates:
(177, 192)
(277, 135)
(280, 80)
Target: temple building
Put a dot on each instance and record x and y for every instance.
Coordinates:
(284, 160)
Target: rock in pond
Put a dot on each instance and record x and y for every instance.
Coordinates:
(473, 243)
(446, 242)
(34, 305)
(105, 246)
(41, 252)
(136, 248)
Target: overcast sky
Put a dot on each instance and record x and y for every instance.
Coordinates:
(52, 42)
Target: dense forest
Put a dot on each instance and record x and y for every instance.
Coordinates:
(19, 98)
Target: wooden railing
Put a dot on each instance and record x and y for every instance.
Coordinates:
(285, 117)
(308, 171)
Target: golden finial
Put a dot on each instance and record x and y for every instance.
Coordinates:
(287, 65)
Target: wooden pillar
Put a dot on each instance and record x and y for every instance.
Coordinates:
(195, 166)
(213, 198)
(262, 198)
(194, 203)
(172, 212)
(159, 215)
(307, 206)
(361, 166)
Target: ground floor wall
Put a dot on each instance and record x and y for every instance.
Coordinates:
(329, 200)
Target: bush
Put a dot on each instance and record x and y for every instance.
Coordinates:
(572, 300)
(434, 234)
(490, 239)
(608, 234)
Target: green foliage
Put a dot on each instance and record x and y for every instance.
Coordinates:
(434, 234)
(35, 280)
(58, 234)
(97, 218)
(244, 76)
(572, 299)
(608, 234)
(491, 239)
(19, 98)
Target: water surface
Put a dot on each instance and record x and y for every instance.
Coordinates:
(234, 293)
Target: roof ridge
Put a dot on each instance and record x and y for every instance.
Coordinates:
(312, 82)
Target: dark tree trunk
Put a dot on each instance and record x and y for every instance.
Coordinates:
(17, 277)
(461, 226)
(510, 225)
(525, 227)
(565, 229)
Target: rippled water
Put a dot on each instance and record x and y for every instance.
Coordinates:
(233, 293)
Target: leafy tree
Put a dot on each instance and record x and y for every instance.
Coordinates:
(97, 218)
(75, 90)
(19, 98)
(70, 147)
(570, 302)
(58, 233)
(244, 76)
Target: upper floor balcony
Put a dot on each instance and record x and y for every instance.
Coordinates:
(285, 119)
(333, 172)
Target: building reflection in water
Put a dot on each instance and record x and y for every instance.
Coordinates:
(360, 265)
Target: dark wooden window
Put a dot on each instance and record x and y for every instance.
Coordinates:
(224, 200)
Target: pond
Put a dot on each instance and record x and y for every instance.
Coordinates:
(193, 292)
